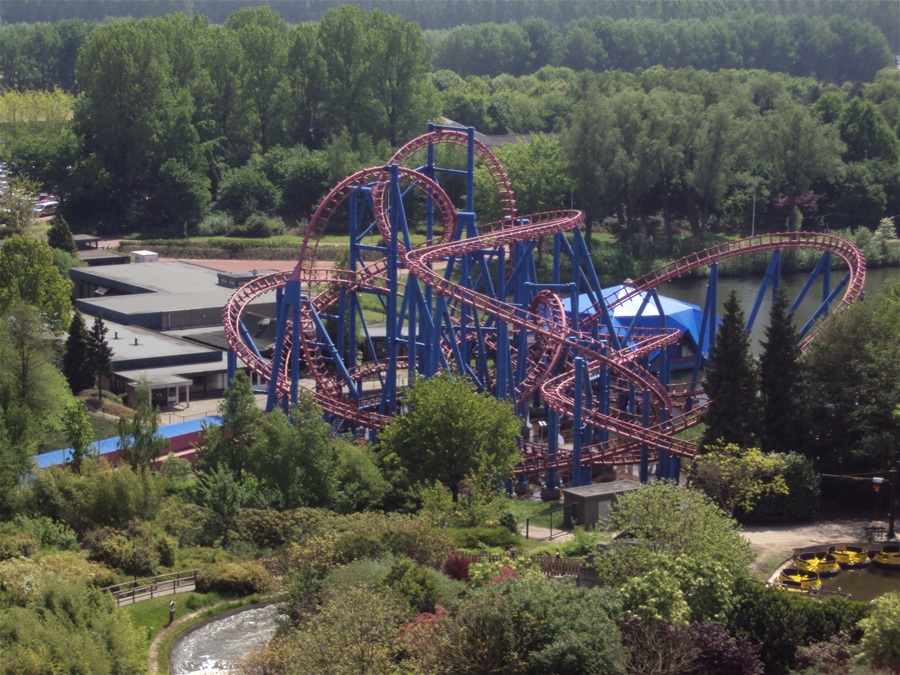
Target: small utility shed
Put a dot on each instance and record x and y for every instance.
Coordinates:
(592, 503)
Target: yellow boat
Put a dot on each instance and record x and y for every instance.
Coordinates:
(850, 557)
(820, 562)
(793, 578)
(888, 557)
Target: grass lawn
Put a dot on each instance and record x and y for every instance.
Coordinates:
(537, 513)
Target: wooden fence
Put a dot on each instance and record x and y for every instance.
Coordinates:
(145, 589)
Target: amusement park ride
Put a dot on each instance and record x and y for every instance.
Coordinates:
(470, 300)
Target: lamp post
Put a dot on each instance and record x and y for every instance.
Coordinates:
(134, 561)
(877, 482)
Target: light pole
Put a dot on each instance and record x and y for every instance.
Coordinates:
(134, 560)
(877, 482)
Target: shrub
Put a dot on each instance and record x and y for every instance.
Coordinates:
(257, 225)
(234, 578)
(264, 528)
(881, 633)
(15, 542)
(413, 583)
(115, 548)
(457, 567)
(800, 503)
(480, 537)
(217, 223)
(50, 533)
(194, 601)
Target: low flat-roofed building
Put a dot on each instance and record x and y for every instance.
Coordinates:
(592, 503)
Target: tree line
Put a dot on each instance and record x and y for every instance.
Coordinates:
(830, 46)
(255, 118)
(438, 15)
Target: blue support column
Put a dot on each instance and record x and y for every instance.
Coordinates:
(552, 446)
(231, 368)
(578, 428)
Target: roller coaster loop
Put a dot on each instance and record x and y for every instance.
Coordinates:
(471, 299)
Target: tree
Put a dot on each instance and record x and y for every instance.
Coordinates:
(853, 385)
(79, 432)
(16, 207)
(738, 478)
(228, 445)
(77, 365)
(15, 463)
(27, 272)
(139, 439)
(678, 521)
(28, 376)
(60, 236)
(780, 384)
(731, 383)
(797, 149)
(360, 485)
(450, 433)
(295, 457)
(100, 354)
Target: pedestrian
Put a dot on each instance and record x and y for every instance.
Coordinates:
(512, 552)
(557, 554)
(171, 611)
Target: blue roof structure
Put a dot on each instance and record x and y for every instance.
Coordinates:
(111, 445)
(684, 316)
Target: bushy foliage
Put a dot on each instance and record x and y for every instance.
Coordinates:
(801, 502)
(245, 191)
(136, 551)
(480, 537)
(780, 622)
(881, 633)
(98, 496)
(234, 578)
(50, 533)
(413, 584)
(67, 627)
(17, 542)
(674, 521)
(535, 626)
(356, 631)
(484, 573)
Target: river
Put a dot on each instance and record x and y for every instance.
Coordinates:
(694, 292)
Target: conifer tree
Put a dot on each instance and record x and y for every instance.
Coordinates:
(60, 236)
(732, 383)
(780, 385)
(100, 353)
(77, 366)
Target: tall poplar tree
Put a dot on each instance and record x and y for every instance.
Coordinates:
(100, 353)
(780, 382)
(732, 383)
(77, 366)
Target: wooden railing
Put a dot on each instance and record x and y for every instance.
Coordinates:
(150, 587)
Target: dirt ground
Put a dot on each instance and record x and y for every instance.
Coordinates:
(773, 544)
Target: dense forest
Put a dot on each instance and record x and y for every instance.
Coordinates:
(231, 126)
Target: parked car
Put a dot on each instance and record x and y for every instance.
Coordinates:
(45, 207)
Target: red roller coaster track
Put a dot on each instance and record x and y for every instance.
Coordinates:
(545, 320)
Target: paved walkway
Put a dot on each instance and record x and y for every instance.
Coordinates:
(536, 533)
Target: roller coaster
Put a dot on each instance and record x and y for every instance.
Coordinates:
(427, 288)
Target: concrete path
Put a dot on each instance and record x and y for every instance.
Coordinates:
(536, 533)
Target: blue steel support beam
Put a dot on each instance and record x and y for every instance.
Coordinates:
(773, 276)
(578, 428)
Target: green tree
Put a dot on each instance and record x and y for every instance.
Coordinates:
(405, 98)
(450, 433)
(76, 358)
(853, 386)
(738, 478)
(100, 354)
(295, 457)
(360, 485)
(29, 377)
(796, 149)
(676, 521)
(731, 383)
(27, 272)
(60, 236)
(780, 382)
(79, 432)
(229, 445)
(15, 463)
(224, 496)
(139, 439)
(16, 209)
(265, 40)
(247, 190)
